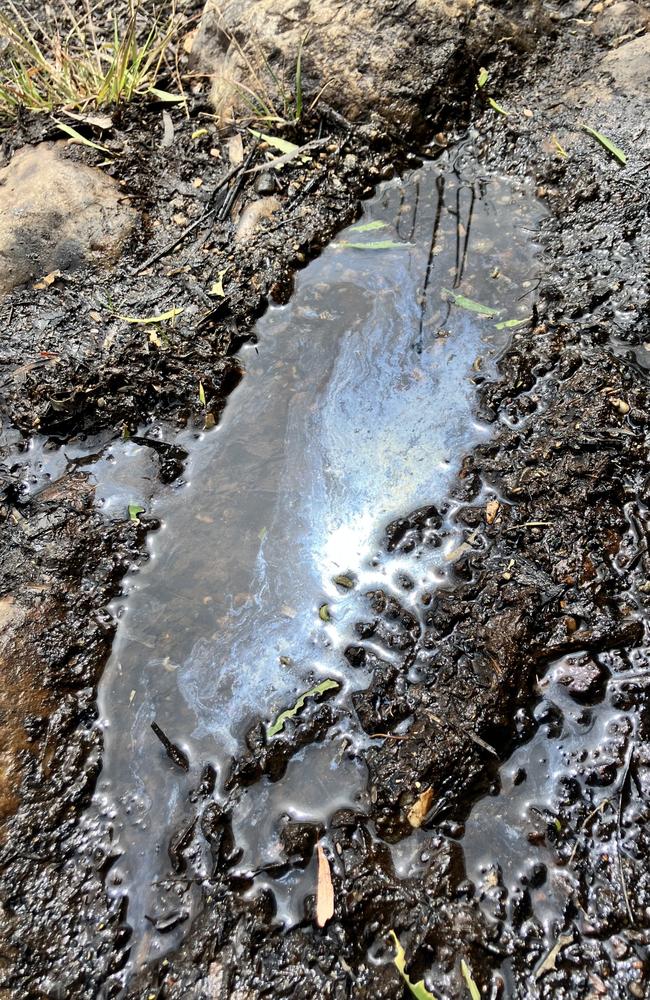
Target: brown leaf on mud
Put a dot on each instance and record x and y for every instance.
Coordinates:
(420, 808)
(325, 890)
(491, 510)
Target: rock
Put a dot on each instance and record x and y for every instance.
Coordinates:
(629, 65)
(56, 214)
(621, 20)
(252, 215)
(386, 56)
(265, 183)
(582, 677)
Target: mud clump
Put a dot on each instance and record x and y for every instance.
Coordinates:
(57, 216)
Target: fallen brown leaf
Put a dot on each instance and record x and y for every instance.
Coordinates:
(420, 808)
(325, 890)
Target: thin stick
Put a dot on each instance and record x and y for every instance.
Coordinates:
(618, 834)
(232, 195)
(188, 229)
(584, 824)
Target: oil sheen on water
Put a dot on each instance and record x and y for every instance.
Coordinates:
(357, 405)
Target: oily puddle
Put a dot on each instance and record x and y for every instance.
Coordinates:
(356, 408)
(545, 848)
(120, 473)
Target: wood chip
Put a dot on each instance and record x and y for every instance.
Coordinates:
(418, 811)
(235, 149)
(168, 131)
(49, 279)
(491, 510)
(325, 890)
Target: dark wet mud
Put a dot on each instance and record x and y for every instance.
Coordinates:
(478, 782)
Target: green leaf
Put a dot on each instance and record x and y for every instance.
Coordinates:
(497, 107)
(607, 143)
(78, 137)
(276, 142)
(366, 227)
(483, 77)
(344, 581)
(418, 990)
(289, 713)
(378, 245)
(134, 510)
(324, 613)
(474, 991)
(143, 320)
(164, 95)
(508, 323)
(464, 303)
(201, 394)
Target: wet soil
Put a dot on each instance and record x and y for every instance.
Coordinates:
(559, 573)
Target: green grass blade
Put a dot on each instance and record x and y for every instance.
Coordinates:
(417, 990)
(497, 107)
(464, 303)
(367, 227)
(610, 146)
(376, 245)
(78, 137)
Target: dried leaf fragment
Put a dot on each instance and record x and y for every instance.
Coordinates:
(143, 320)
(47, 280)
(491, 511)
(418, 811)
(549, 962)
(217, 286)
(325, 890)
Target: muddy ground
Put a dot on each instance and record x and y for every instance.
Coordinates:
(563, 567)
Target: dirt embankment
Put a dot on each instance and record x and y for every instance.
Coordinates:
(562, 566)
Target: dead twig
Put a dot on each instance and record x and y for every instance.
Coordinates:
(584, 823)
(192, 226)
(233, 194)
(175, 754)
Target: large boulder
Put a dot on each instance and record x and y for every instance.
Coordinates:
(55, 214)
(387, 56)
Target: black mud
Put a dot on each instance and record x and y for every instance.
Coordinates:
(560, 570)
